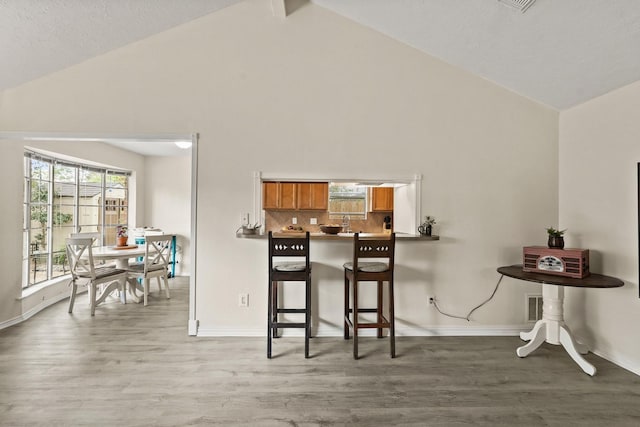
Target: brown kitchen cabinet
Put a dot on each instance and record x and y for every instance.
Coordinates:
(270, 195)
(381, 199)
(295, 195)
(313, 195)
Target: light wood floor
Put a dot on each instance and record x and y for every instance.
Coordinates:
(135, 366)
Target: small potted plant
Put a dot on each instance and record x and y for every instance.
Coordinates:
(556, 238)
(427, 225)
(122, 235)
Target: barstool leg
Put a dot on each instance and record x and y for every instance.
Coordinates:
(274, 309)
(269, 319)
(355, 319)
(347, 304)
(392, 320)
(379, 308)
(307, 317)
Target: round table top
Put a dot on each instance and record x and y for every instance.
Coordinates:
(591, 281)
(108, 252)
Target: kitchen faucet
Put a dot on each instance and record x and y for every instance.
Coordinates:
(346, 223)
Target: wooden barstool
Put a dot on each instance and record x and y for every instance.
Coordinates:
(359, 271)
(291, 271)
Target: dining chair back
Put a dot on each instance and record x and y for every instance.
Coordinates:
(362, 269)
(288, 262)
(84, 272)
(155, 263)
(97, 241)
(95, 235)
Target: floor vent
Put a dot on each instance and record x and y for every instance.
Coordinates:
(521, 5)
(534, 308)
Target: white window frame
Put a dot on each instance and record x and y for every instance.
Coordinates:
(52, 162)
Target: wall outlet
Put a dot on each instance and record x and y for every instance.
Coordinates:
(313, 221)
(243, 300)
(432, 300)
(294, 220)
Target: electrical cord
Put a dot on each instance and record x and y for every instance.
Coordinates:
(467, 317)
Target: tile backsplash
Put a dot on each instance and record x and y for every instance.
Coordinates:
(275, 220)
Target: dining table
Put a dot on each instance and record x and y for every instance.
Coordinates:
(122, 255)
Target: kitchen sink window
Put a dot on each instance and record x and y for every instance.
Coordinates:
(347, 199)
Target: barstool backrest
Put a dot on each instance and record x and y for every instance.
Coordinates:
(289, 246)
(374, 248)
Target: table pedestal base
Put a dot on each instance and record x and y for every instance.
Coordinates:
(106, 291)
(553, 330)
(132, 284)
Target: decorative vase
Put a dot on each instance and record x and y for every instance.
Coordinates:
(121, 241)
(425, 229)
(556, 242)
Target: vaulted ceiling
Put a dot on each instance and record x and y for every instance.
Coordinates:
(559, 52)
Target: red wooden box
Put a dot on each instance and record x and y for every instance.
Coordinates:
(561, 262)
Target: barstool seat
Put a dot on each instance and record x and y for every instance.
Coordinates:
(290, 266)
(296, 270)
(371, 267)
(357, 272)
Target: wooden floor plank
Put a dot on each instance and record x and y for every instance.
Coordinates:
(132, 365)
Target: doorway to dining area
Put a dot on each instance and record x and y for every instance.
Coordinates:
(160, 192)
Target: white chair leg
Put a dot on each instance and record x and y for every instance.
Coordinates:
(72, 297)
(166, 286)
(159, 284)
(147, 282)
(94, 291)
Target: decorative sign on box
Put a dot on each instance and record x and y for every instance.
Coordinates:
(561, 262)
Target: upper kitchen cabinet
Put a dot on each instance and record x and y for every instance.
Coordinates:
(278, 195)
(313, 195)
(270, 195)
(381, 199)
(295, 195)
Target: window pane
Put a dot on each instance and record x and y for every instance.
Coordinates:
(119, 181)
(59, 236)
(65, 174)
(347, 199)
(89, 215)
(59, 263)
(38, 268)
(39, 225)
(90, 178)
(39, 169)
(115, 216)
(110, 236)
(39, 191)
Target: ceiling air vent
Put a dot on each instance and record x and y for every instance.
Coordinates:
(521, 5)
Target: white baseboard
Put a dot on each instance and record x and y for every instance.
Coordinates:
(35, 310)
(193, 327)
(449, 331)
(618, 360)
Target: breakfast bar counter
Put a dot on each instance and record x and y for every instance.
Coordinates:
(342, 236)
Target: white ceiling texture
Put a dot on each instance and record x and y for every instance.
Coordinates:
(557, 52)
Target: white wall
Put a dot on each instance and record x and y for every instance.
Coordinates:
(318, 94)
(599, 154)
(12, 305)
(167, 201)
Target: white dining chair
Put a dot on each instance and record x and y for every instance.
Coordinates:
(155, 263)
(84, 272)
(95, 235)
